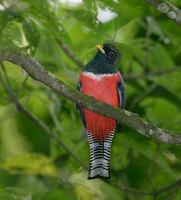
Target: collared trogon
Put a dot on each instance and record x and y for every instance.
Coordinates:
(101, 80)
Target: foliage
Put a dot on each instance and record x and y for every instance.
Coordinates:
(31, 165)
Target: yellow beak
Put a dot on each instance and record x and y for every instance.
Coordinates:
(100, 47)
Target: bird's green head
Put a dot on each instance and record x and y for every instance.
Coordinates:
(105, 60)
(109, 52)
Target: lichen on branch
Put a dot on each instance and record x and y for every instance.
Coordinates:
(168, 9)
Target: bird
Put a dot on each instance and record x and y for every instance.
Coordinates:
(102, 80)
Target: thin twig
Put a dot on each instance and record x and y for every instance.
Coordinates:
(139, 98)
(70, 54)
(153, 193)
(128, 189)
(149, 173)
(149, 75)
(37, 121)
(169, 187)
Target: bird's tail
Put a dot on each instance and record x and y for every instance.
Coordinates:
(99, 157)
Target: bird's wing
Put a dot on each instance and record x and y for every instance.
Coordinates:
(121, 93)
(79, 88)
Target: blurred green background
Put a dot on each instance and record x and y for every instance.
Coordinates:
(55, 32)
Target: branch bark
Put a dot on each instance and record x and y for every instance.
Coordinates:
(46, 130)
(132, 120)
(168, 9)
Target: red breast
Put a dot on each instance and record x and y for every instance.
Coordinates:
(103, 87)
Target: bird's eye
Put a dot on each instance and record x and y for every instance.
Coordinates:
(111, 55)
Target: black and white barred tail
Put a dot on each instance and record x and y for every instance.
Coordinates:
(100, 150)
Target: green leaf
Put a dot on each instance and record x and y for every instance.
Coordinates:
(4, 194)
(127, 32)
(36, 164)
(32, 33)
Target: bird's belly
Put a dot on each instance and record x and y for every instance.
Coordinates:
(103, 89)
(98, 126)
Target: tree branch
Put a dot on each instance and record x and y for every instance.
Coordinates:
(171, 186)
(168, 9)
(139, 98)
(50, 133)
(132, 120)
(70, 54)
(167, 188)
(53, 136)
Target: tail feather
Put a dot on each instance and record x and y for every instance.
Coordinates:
(99, 157)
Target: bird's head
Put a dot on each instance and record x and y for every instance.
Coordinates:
(110, 53)
(105, 60)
